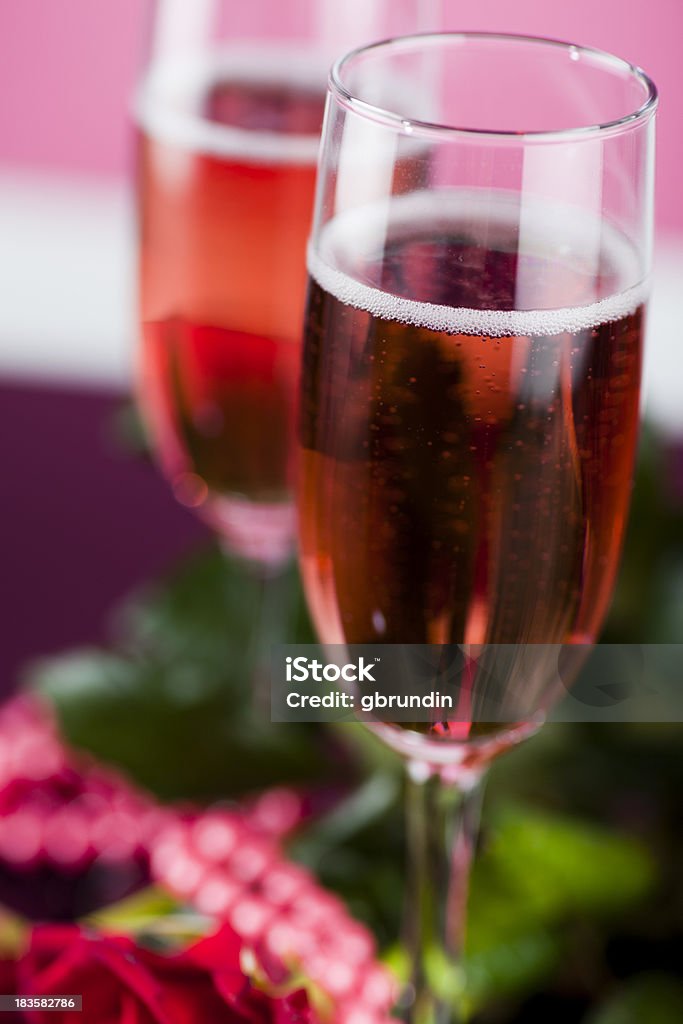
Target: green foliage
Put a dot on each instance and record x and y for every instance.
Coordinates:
(538, 874)
(540, 867)
(173, 704)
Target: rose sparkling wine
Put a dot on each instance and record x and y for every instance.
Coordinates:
(226, 178)
(469, 419)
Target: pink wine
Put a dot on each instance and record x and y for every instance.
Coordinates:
(226, 179)
(465, 464)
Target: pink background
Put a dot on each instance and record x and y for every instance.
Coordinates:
(67, 68)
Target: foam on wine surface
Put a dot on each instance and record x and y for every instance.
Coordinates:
(354, 238)
(169, 104)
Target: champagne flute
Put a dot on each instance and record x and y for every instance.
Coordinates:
(229, 113)
(470, 392)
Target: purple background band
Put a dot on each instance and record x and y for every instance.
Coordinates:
(82, 522)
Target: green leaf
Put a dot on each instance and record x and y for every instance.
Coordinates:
(136, 912)
(154, 920)
(537, 874)
(538, 869)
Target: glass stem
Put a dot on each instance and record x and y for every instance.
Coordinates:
(271, 626)
(268, 588)
(442, 828)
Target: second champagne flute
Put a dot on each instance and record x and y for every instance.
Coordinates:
(229, 115)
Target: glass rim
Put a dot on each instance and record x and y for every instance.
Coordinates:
(409, 125)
